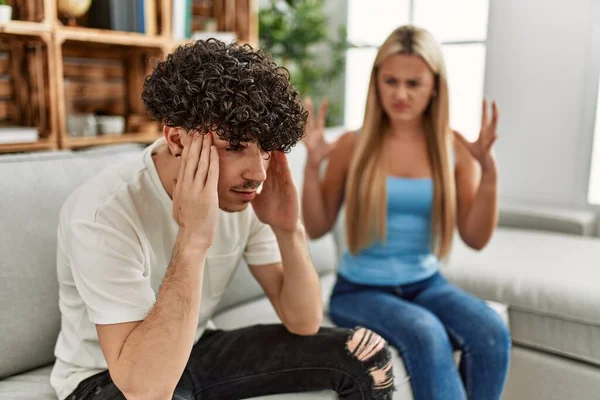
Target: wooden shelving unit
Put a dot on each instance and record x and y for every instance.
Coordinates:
(86, 70)
(76, 142)
(26, 28)
(42, 144)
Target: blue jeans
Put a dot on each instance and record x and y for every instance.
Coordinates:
(425, 321)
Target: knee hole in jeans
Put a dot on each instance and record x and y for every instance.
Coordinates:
(370, 348)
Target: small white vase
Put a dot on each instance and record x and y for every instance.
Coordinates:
(5, 14)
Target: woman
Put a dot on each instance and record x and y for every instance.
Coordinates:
(407, 180)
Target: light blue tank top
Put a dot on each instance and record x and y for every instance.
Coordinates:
(407, 255)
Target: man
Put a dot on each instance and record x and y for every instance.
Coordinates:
(146, 250)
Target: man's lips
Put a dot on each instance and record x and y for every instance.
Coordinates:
(246, 194)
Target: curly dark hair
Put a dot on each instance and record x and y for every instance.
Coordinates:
(233, 90)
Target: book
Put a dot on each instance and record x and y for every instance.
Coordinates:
(119, 15)
(188, 19)
(179, 19)
(139, 16)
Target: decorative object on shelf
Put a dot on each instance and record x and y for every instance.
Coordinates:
(18, 134)
(295, 32)
(225, 37)
(73, 9)
(140, 123)
(110, 125)
(5, 12)
(210, 25)
(82, 125)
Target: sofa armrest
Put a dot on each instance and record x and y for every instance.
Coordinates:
(553, 219)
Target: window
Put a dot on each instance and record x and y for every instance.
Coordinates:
(593, 189)
(460, 26)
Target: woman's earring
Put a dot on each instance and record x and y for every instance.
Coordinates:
(177, 155)
(434, 93)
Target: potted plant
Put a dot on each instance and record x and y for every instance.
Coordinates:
(5, 12)
(295, 33)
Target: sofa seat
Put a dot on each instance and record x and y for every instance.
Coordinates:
(551, 292)
(30, 385)
(35, 385)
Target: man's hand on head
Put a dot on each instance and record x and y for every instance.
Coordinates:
(195, 199)
(277, 204)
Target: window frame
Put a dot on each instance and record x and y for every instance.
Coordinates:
(411, 16)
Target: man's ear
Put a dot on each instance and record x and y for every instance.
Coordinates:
(175, 138)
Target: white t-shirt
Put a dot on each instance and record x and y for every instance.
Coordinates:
(115, 238)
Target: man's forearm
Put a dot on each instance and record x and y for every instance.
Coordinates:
(157, 350)
(300, 297)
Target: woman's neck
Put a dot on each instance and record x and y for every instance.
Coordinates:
(407, 129)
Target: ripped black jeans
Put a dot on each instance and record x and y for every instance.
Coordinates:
(267, 359)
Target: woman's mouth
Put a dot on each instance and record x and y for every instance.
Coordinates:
(400, 106)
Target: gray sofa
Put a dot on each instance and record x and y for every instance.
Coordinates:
(545, 283)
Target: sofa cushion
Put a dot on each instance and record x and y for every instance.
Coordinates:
(35, 385)
(244, 287)
(549, 219)
(538, 375)
(34, 187)
(548, 280)
(28, 386)
(227, 317)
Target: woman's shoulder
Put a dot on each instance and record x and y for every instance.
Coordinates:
(348, 138)
(343, 148)
(345, 142)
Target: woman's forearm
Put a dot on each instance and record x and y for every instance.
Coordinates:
(483, 213)
(314, 212)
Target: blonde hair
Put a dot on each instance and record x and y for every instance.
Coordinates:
(366, 191)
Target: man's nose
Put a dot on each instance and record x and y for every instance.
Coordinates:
(256, 169)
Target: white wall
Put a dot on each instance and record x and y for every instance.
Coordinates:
(540, 59)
